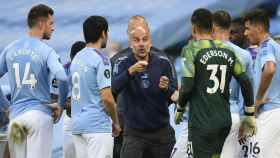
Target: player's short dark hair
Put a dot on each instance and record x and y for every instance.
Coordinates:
(222, 19)
(239, 21)
(93, 28)
(76, 47)
(202, 18)
(37, 12)
(258, 16)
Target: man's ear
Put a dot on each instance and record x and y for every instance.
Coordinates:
(104, 34)
(41, 23)
(259, 28)
(212, 31)
(194, 30)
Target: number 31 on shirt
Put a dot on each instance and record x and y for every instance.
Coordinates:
(217, 83)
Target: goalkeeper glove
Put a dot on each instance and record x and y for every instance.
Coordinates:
(248, 125)
(179, 114)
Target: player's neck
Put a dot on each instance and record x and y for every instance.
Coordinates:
(222, 36)
(36, 33)
(264, 37)
(96, 45)
(203, 36)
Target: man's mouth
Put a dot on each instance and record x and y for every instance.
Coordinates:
(142, 50)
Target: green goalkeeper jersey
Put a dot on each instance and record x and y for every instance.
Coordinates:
(210, 64)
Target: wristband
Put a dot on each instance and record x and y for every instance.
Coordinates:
(250, 110)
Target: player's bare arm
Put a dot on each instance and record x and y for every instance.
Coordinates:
(111, 109)
(266, 78)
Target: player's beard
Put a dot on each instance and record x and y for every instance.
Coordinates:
(46, 36)
(104, 43)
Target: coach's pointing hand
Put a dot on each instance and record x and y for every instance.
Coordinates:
(140, 66)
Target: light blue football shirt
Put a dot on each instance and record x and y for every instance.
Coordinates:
(29, 63)
(269, 50)
(236, 98)
(90, 72)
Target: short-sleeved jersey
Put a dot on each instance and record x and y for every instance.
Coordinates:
(236, 98)
(90, 72)
(29, 63)
(211, 64)
(269, 50)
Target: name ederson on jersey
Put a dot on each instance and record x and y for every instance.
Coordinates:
(214, 53)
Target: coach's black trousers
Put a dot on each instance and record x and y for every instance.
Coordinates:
(158, 144)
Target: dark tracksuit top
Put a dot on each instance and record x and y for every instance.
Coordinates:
(116, 59)
(144, 104)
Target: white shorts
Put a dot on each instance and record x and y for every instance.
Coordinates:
(231, 148)
(266, 143)
(180, 148)
(3, 143)
(68, 143)
(38, 142)
(94, 145)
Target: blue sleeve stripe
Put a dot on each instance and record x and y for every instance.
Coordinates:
(104, 59)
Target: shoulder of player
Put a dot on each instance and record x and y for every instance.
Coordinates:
(198, 45)
(160, 56)
(268, 47)
(45, 50)
(11, 45)
(101, 57)
(240, 51)
(188, 47)
(241, 54)
(246, 54)
(224, 45)
(268, 44)
(121, 56)
(44, 47)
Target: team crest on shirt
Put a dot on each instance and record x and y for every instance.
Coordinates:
(107, 73)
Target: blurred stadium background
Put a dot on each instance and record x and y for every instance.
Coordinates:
(169, 22)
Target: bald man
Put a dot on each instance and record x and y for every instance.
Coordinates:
(144, 82)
